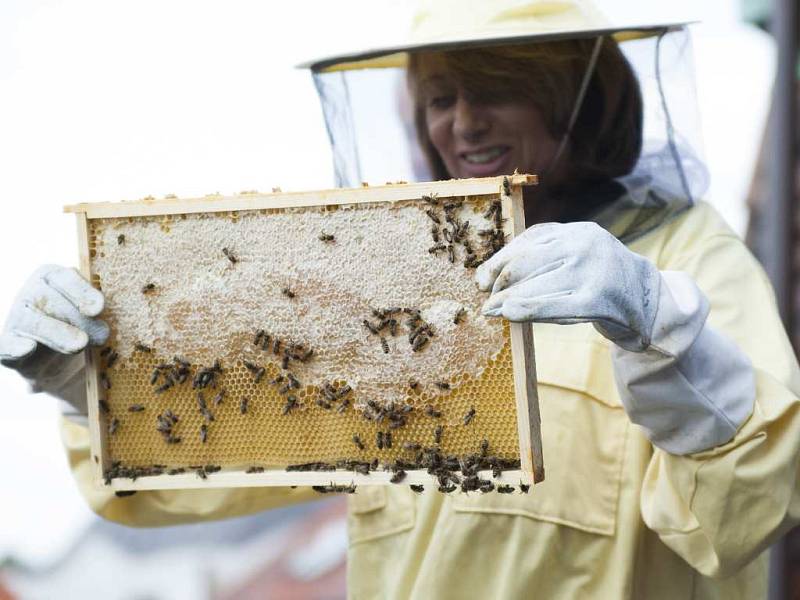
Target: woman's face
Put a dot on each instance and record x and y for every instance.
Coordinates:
(478, 137)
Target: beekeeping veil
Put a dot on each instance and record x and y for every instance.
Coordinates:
(369, 111)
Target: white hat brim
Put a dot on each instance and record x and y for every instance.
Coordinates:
(395, 56)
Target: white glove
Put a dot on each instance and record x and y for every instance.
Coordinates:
(688, 387)
(574, 273)
(50, 322)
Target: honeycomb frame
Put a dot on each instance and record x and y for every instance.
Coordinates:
(518, 351)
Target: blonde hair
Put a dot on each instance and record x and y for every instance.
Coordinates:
(606, 139)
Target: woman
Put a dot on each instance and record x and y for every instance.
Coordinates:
(670, 416)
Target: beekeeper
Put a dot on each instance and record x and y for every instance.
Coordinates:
(668, 388)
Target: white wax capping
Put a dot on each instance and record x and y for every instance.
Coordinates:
(204, 307)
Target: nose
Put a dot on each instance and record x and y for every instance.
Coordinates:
(470, 121)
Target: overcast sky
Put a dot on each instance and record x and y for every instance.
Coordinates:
(104, 100)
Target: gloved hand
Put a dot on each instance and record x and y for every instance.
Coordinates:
(50, 322)
(574, 273)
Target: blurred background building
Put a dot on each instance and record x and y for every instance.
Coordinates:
(107, 101)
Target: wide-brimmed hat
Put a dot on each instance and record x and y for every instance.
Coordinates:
(456, 24)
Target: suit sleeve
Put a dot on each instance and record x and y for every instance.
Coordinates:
(722, 507)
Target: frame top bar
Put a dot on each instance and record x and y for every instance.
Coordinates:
(256, 201)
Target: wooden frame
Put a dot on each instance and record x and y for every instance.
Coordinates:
(522, 345)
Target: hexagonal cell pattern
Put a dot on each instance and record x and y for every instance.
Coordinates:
(200, 286)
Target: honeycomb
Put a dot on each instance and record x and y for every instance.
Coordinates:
(198, 287)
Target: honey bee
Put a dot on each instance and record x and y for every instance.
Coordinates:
(379, 440)
(419, 343)
(219, 398)
(139, 347)
(250, 366)
(387, 440)
(370, 326)
(259, 375)
(524, 487)
(291, 402)
(486, 486)
(103, 406)
(105, 383)
(230, 256)
(437, 248)
(484, 447)
(493, 208)
(506, 187)
(447, 488)
(112, 358)
(255, 470)
(472, 262)
(323, 403)
(416, 488)
(343, 406)
(201, 402)
(136, 408)
(285, 361)
(459, 316)
(293, 381)
(430, 199)
(437, 434)
(393, 327)
(105, 351)
(451, 253)
(120, 239)
(504, 489)
(398, 476)
(203, 433)
(432, 412)
(469, 416)
(453, 205)
(357, 441)
(442, 385)
(433, 216)
(435, 233)
(326, 237)
(413, 446)
(384, 345)
(413, 384)
(259, 336)
(113, 426)
(148, 287)
(243, 405)
(287, 292)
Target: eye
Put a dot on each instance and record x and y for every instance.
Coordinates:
(441, 101)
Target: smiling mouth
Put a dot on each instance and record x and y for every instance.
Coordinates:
(482, 157)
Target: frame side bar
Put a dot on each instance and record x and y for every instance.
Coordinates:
(524, 361)
(96, 435)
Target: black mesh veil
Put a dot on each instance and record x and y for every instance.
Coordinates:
(368, 113)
